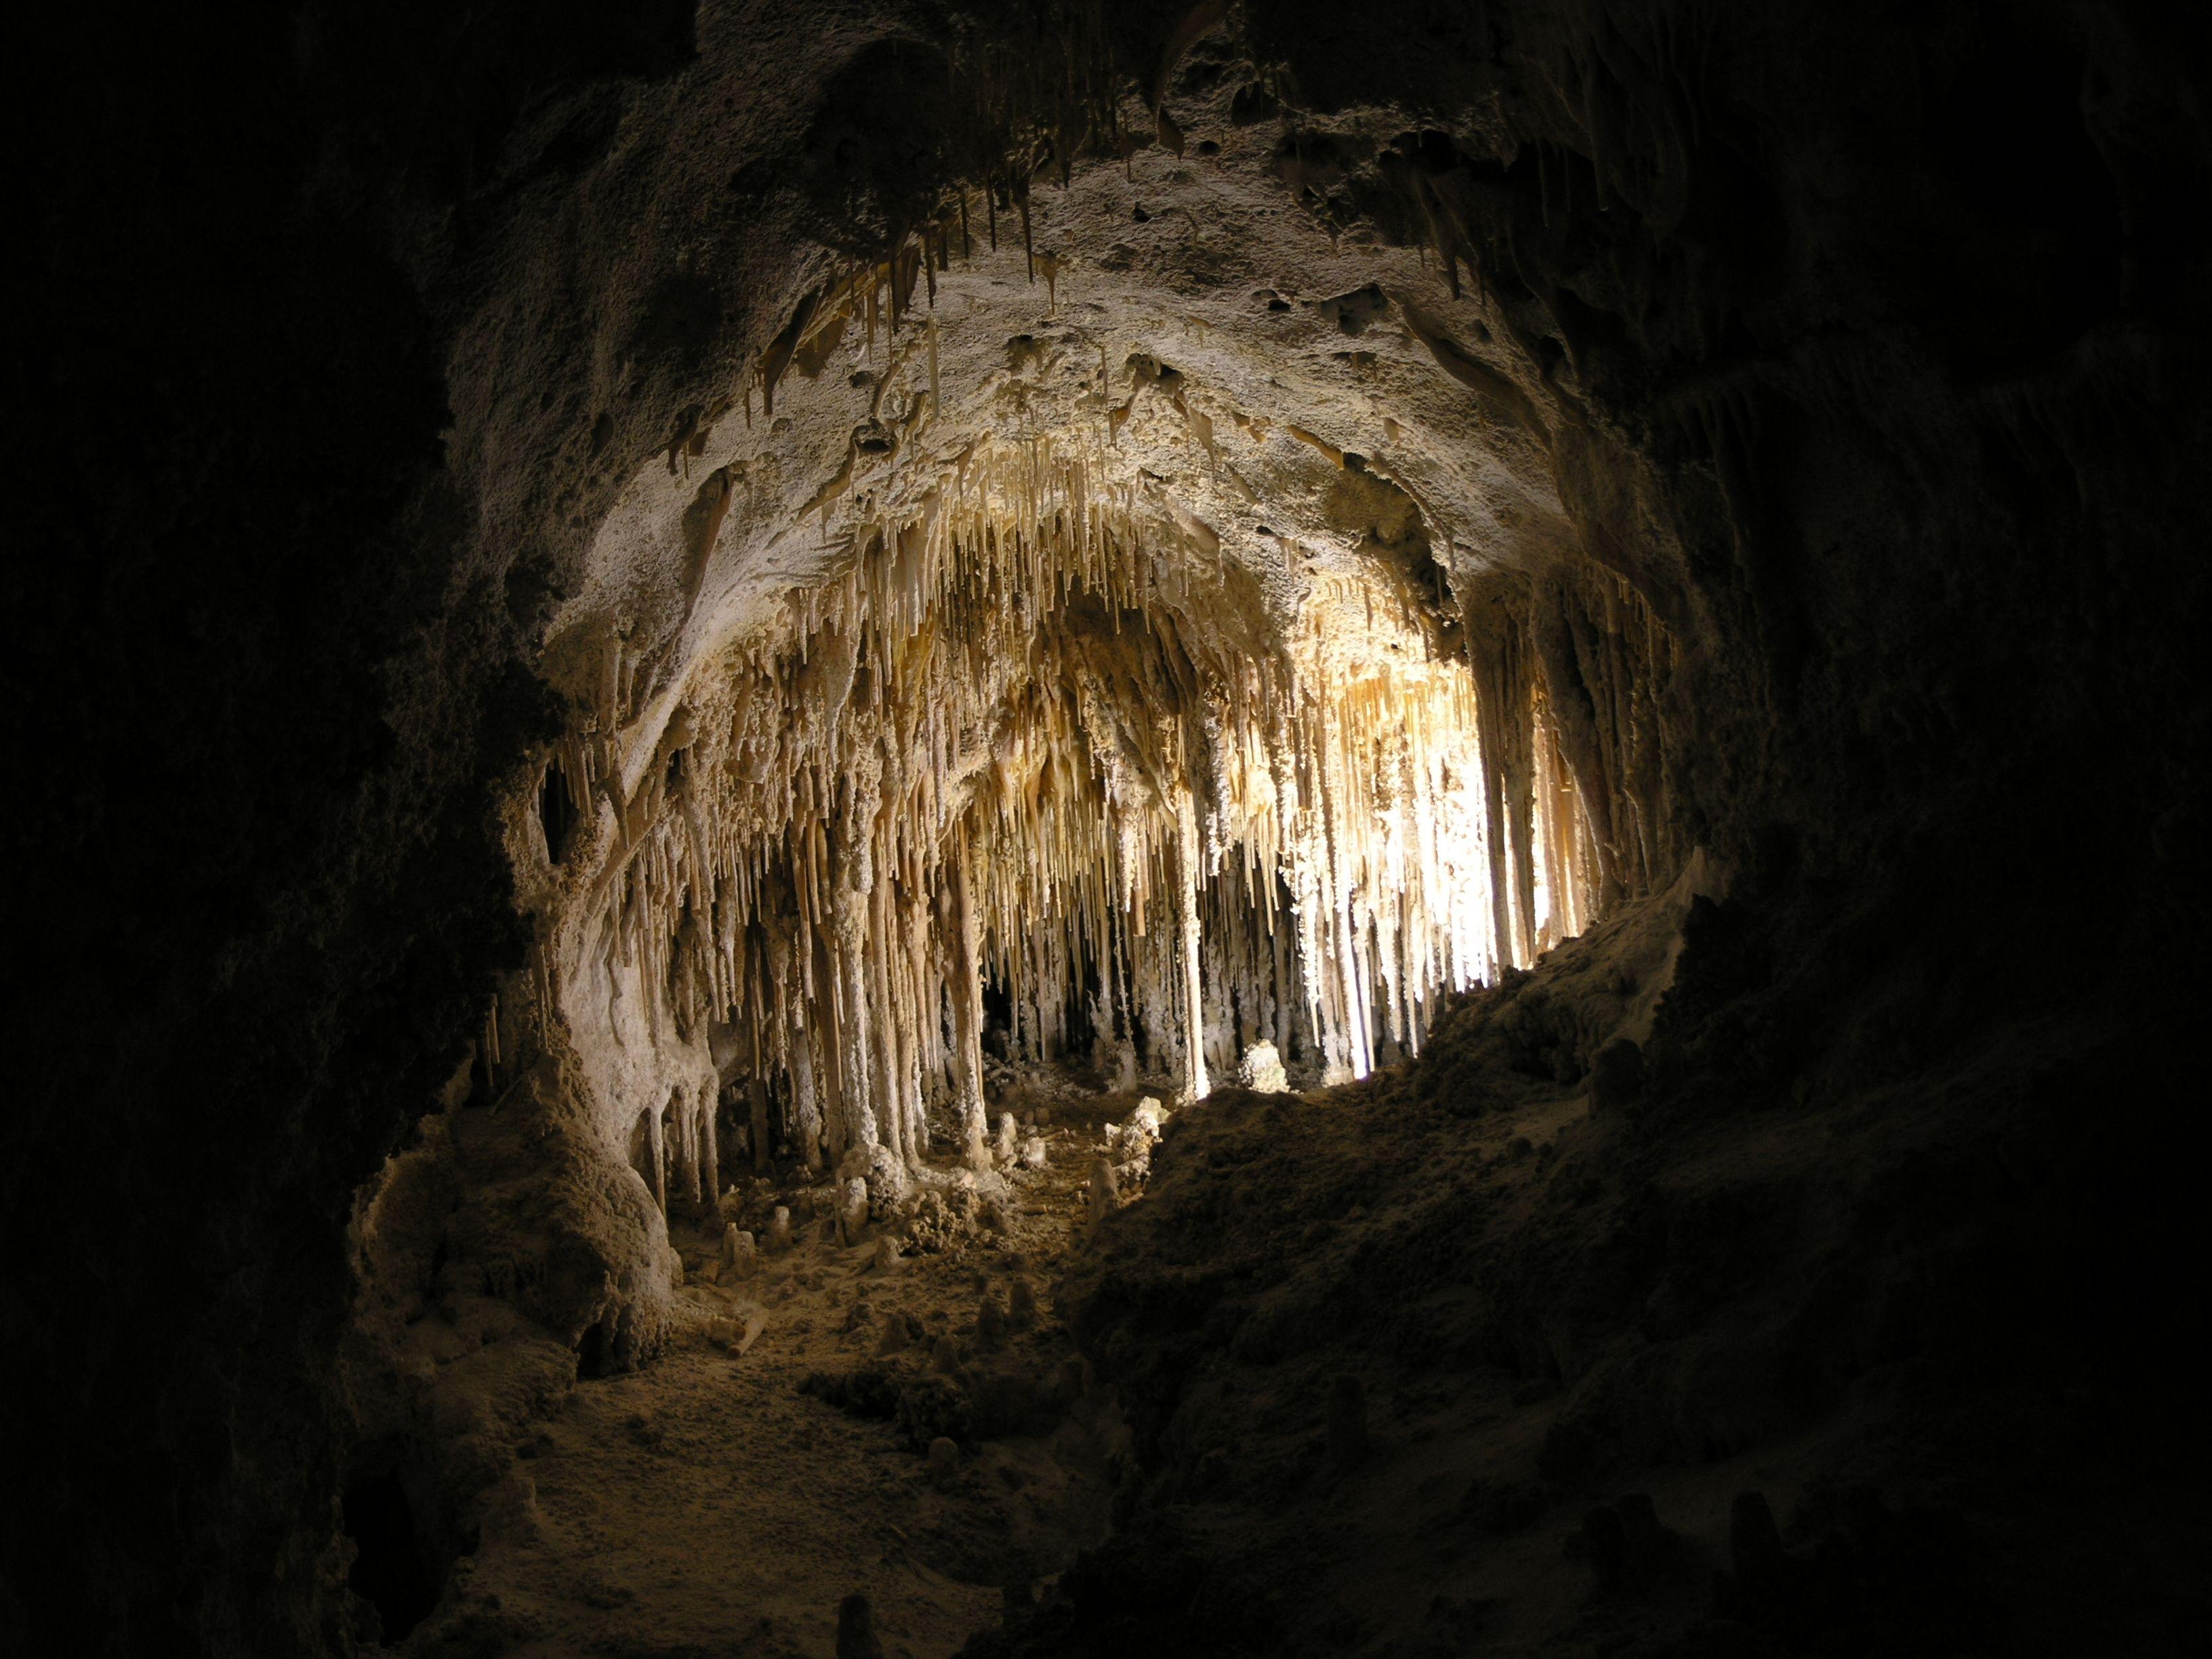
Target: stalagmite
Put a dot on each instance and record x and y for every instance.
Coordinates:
(944, 1463)
(852, 1211)
(1261, 1070)
(1105, 1190)
(1186, 871)
(741, 1259)
(990, 1322)
(967, 994)
(1004, 750)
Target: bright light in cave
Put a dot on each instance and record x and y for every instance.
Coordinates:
(1002, 745)
(1007, 687)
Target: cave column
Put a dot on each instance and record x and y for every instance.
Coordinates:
(656, 1155)
(1194, 1013)
(805, 1108)
(710, 1154)
(967, 988)
(918, 1003)
(830, 1072)
(1490, 728)
(687, 1147)
(804, 1112)
(884, 1016)
(855, 1052)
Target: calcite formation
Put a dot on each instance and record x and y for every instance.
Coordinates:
(1117, 649)
(1043, 737)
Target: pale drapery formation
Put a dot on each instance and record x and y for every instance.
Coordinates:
(1041, 757)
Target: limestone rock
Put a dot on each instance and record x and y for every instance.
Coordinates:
(990, 1322)
(1105, 1190)
(888, 1182)
(1033, 1155)
(853, 1211)
(779, 1231)
(943, 1463)
(1124, 1066)
(1261, 1070)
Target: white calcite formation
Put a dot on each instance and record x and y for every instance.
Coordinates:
(1012, 743)
(1261, 1070)
(1142, 647)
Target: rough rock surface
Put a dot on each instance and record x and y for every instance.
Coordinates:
(1792, 420)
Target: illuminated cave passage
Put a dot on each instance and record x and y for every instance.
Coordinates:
(1048, 830)
(1037, 657)
(1050, 737)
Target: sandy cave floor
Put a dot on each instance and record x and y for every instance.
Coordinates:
(706, 1504)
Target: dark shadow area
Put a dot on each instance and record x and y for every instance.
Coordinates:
(392, 1568)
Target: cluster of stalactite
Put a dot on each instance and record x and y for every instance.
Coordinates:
(1043, 746)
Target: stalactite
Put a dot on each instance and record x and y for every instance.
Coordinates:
(1004, 744)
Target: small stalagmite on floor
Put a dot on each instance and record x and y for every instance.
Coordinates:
(1105, 1190)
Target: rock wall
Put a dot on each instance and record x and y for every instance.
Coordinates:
(1805, 408)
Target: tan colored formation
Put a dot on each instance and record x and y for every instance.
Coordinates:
(1011, 743)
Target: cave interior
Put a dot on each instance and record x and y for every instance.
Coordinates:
(1026, 829)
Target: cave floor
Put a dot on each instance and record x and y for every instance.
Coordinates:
(706, 1505)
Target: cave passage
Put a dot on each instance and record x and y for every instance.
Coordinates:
(1005, 747)
(1029, 661)
(1084, 828)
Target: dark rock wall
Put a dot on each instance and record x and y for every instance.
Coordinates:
(1899, 312)
(1885, 329)
(264, 686)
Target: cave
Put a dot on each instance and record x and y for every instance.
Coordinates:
(1021, 828)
